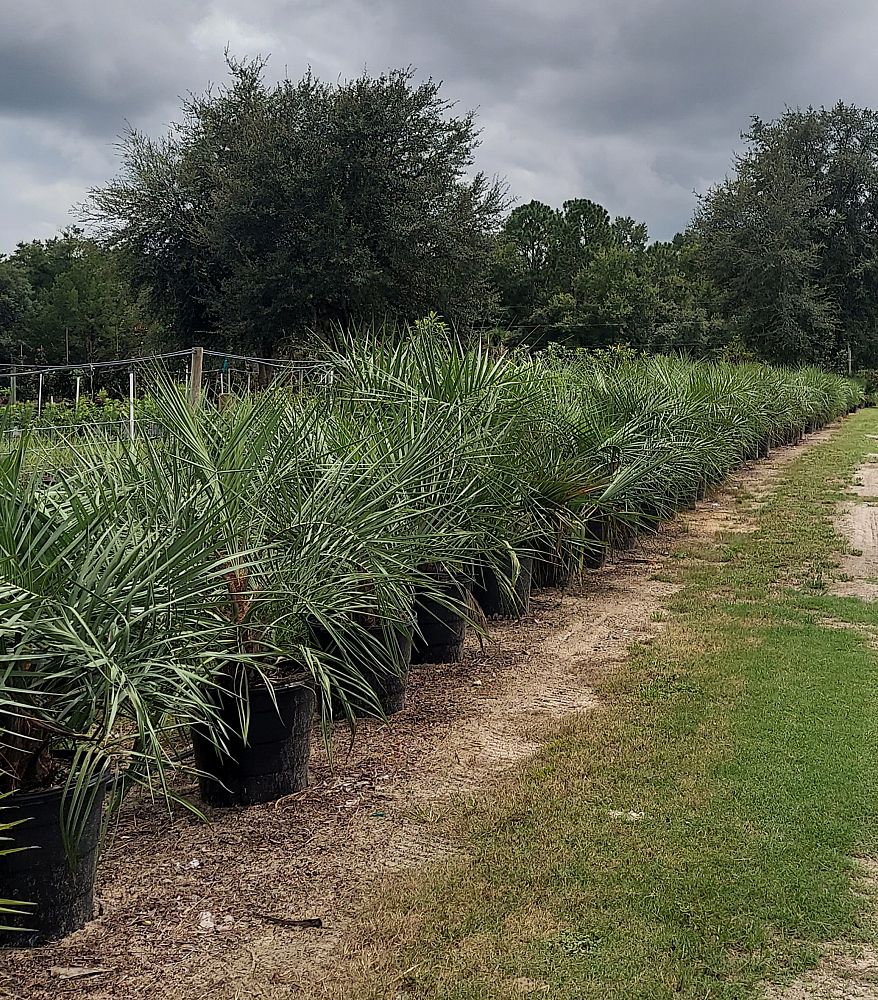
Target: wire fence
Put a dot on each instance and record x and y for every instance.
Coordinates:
(57, 406)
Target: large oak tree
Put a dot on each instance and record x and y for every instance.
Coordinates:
(791, 239)
(272, 210)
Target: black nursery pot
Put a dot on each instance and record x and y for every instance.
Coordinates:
(596, 532)
(60, 885)
(389, 687)
(550, 568)
(495, 600)
(624, 537)
(274, 760)
(443, 629)
(651, 517)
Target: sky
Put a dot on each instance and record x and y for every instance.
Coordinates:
(636, 104)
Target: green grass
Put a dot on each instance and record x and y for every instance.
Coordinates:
(747, 736)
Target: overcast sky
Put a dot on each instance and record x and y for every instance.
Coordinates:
(634, 103)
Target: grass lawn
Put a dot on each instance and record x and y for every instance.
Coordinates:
(741, 750)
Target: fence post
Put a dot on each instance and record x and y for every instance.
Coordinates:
(131, 404)
(40, 397)
(13, 394)
(195, 376)
(78, 383)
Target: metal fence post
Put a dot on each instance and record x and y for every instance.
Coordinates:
(131, 404)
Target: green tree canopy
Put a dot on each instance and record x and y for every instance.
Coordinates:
(16, 305)
(581, 276)
(791, 239)
(65, 297)
(274, 209)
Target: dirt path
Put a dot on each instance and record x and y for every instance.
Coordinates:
(190, 911)
(858, 523)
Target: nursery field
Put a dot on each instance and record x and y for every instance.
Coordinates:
(274, 614)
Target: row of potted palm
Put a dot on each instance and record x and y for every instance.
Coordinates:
(249, 570)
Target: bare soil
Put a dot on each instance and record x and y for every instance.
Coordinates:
(194, 911)
(857, 523)
(845, 977)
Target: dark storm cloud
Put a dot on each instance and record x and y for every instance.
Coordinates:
(89, 63)
(634, 103)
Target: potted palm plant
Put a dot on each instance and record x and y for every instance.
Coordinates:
(104, 631)
(213, 471)
(445, 413)
(309, 577)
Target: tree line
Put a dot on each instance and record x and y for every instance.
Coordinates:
(273, 214)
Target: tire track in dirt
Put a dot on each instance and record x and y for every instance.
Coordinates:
(857, 523)
(188, 907)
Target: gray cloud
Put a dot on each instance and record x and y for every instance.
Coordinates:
(635, 103)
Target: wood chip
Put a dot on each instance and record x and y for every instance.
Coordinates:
(77, 971)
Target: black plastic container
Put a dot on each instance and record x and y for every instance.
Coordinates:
(389, 686)
(624, 537)
(495, 600)
(443, 629)
(596, 533)
(651, 517)
(390, 689)
(550, 566)
(274, 760)
(60, 885)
